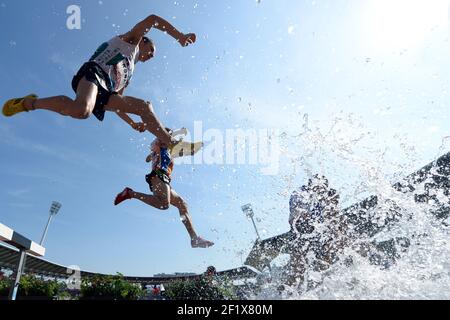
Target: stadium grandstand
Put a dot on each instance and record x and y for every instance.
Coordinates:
(41, 267)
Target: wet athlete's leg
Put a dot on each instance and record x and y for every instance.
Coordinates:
(80, 108)
(160, 198)
(182, 207)
(144, 110)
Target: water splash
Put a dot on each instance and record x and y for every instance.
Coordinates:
(354, 159)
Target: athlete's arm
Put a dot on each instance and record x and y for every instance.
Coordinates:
(135, 35)
(138, 126)
(149, 158)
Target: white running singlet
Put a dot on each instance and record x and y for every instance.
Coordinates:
(117, 58)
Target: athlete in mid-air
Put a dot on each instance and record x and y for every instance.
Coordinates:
(159, 181)
(100, 83)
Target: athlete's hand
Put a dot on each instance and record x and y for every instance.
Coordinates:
(139, 126)
(187, 39)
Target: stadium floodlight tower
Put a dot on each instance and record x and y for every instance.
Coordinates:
(54, 209)
(248, 210)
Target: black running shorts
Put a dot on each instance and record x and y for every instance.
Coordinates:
(160, 174)
(90, 70)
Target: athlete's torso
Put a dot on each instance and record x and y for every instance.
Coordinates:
(117, 58)
(161, 158)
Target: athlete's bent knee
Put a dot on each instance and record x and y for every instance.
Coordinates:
(84, 110)
(165, 205)
(85, 114)
(149, 107)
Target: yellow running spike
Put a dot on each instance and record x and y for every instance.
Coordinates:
(15, 106)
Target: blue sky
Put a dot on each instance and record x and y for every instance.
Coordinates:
(371, 76)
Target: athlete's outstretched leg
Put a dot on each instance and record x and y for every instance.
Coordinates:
(80, 108)
(162, 198)
(182, 207)
(144, 110)
(151, 200)
(161, 195)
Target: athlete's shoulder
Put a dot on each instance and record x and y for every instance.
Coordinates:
(122, 40)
